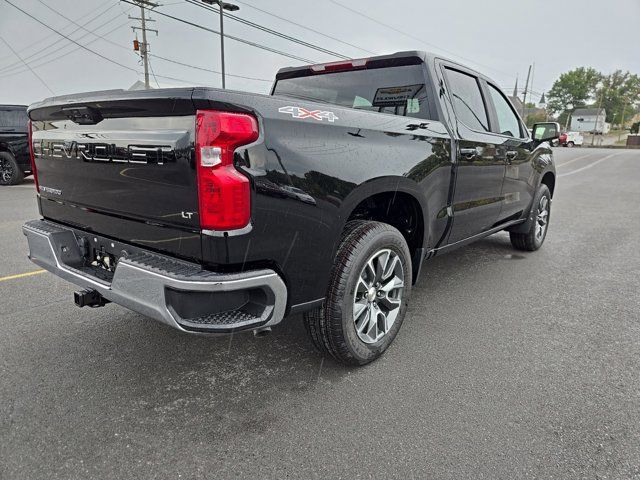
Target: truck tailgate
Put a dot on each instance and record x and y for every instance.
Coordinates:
(121, 164)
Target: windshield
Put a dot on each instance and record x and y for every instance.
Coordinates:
(396, 90)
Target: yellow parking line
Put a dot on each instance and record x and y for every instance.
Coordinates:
(21, 275)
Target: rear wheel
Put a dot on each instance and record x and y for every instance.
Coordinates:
(541, 211)
(367, 297)
(10, 173)
(571, 144)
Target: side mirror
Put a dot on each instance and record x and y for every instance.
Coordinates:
(546, 132)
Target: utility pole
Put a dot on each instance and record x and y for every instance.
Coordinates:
(524, 95)
(624, 110)
(595, 124)
(223, 6)
(144, 46)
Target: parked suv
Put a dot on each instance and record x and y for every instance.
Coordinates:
(14, 145)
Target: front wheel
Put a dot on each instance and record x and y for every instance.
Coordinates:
(539, 222)
(367, 296)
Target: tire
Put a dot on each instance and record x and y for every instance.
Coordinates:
(371, 278)
(571, 144)
(539, 219)
(10, 173)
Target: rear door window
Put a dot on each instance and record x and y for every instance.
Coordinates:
(467, 100)
(508, 123)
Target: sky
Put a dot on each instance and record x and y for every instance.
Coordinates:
(499, 38)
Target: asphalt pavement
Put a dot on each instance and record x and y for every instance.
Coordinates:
(509, 365)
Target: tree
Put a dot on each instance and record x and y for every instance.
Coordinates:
(619, 90)
(573, 88)
(535, 118)
(563, 117)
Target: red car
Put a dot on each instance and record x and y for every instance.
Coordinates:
(562, 139)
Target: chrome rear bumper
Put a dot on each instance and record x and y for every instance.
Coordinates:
(178, 293)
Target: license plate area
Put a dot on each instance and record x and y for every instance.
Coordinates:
(100, 256)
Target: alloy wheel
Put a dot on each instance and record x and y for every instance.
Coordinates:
(378, 295)
(542, 218)
(6, 171)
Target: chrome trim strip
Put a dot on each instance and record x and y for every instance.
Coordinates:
(228, 233)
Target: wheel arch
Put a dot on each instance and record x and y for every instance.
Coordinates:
(549, 179)
(396, 201)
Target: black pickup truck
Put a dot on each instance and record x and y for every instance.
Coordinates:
(217, 211)
(14, 144)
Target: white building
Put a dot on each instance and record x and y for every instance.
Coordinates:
(589, 120)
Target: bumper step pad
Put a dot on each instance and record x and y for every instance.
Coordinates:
(179, 293)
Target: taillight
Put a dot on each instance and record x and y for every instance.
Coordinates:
(33, 158)
(223, 192)
(340, 66)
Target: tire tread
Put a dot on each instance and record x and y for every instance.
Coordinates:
(324, 323)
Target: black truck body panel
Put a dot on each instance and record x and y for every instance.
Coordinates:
(307, 176)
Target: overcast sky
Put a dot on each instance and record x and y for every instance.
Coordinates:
(499, 38)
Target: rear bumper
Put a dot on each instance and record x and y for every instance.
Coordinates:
(178, 293)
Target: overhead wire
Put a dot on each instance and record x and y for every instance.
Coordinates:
(51, 59)
(269, 30)
(208, 69)
(231, 37)
(46, 51)
(27, 61)
(305, 27)
(53, 35)
(408, 35)
(104, 57)
(32, 70)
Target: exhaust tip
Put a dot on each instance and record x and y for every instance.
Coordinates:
(262, 332)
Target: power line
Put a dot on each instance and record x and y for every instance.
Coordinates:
(110, 60)
(86, 29)
(32, 71)
(53, 35)
(270, 31)
(237, 39)
(188, 82)
(208, 69)
(152, 72)
(414, 37)
(88, 49)
(43, 53)
(54, 58)
(156, 56)
(244, 2)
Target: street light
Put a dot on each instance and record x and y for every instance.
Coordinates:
(230, 7)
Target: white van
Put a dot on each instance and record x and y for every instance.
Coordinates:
(574, 139)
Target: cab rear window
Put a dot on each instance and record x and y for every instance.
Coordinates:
(396, 90)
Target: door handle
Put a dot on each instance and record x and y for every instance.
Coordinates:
(511, 154)
(469, 152)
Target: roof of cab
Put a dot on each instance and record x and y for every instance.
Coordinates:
(399, 58)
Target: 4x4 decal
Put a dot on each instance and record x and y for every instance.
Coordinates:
(299, 112)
